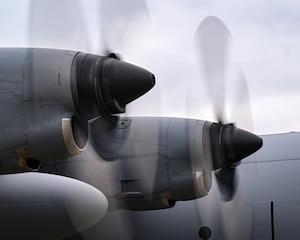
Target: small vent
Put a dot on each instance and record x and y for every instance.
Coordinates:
(33, 164)
(123, 123)
(131, 187)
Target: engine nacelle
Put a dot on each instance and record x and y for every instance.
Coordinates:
(47, 97)
(45, 206)
(163, 160)
(38, 122)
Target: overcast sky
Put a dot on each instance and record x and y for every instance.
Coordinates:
(265, 47)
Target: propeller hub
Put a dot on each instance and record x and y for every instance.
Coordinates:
(238, 144)
(104, 85)
(230, 145)
(121, 83)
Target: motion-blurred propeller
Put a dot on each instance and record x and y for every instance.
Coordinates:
(63, 26)
(102, 85)
(105, 84)
(229, 143)
(57, 25)
(212, 42)
(121, 24)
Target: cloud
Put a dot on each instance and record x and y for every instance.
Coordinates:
(266, 46)
(13, 22)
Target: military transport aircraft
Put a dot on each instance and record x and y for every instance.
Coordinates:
(73, 168)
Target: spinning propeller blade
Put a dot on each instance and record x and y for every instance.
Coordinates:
(121, 24)
(229, 143)
(104, 85)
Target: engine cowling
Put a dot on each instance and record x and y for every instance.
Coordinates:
(40, 121)
(47, 97)
(153, 162)
(163, 160)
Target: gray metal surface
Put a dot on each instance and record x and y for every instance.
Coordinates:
(271, 176)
